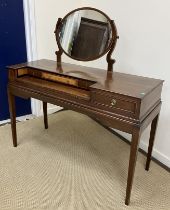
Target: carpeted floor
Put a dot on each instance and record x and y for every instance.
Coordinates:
(74, 165)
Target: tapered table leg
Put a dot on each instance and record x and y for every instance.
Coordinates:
(151, 141)
(45, 115)
(11, 101)
(132, 163)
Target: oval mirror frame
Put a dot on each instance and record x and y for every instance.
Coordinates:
(110, 47)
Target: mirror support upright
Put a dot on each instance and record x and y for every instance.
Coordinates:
(111, 61)
(60, 51)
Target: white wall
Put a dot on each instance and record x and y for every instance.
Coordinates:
(47, 14)
(143, 47)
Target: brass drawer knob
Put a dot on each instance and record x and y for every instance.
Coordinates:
(113, 102)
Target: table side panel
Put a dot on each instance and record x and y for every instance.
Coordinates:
(150, 100)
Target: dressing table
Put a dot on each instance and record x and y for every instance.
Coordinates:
(125, 102)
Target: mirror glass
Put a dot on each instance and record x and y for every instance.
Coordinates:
(85, 34)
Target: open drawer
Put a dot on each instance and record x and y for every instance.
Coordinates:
(60, 88)
(55, 77)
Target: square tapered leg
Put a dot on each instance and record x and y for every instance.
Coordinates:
(151, 141)
(12, 110)
(45, 115)
(132, 163)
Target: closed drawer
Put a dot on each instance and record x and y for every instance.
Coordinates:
(112, 102)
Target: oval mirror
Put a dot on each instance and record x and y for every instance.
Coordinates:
(86, 34)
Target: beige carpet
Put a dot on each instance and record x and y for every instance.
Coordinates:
(74, 165)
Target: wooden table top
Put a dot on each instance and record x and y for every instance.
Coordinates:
(120, 83)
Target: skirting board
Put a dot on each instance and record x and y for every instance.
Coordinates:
(22, 118)
(51, 109)
(156, 154)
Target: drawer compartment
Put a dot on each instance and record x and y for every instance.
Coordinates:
(63, 90)
(55, 77)
(115, 103)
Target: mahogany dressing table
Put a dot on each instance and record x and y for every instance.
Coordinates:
(122, 101)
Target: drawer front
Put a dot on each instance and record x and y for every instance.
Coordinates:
(115, 103)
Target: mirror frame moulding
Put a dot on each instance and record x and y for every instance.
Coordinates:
(109, 49)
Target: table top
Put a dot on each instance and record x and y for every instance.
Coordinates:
(120, 83)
